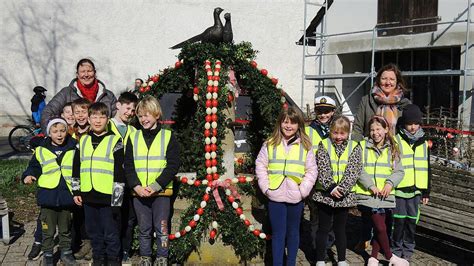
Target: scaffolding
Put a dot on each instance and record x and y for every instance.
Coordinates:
(317, 41)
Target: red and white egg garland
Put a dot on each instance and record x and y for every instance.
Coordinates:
(210, 134)
(274, 80)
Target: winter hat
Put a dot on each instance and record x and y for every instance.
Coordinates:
(39, 89)
(55, 121)
(412, 114)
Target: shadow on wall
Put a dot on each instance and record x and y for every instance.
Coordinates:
(39, 36)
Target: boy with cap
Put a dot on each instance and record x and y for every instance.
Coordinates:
(415, 186)
(51, 166)
(318, 130)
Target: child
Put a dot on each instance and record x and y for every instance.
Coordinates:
(151, 163)
(51, 167)
(286, 184)
(120, 126)
(68, 115)
(318, 130)
(37, 104)
(415, 186)
(339, 167)
(100, 164)
(381, 173)
(80, 108)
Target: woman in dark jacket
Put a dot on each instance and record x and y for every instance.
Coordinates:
(385, 99)
(85, 85)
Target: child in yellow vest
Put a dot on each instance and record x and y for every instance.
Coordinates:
(51, 167)
(151, 164)
(382, 172)
(339, 167)
(100, 164)
(415, 186)
(286, 172)
(80, 109)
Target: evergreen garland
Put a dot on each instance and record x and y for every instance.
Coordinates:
(187, 75)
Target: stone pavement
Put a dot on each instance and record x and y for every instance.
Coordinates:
(16, 252)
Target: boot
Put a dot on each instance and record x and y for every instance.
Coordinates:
(145, 261)
(373, 262)
(85, 248)
(67, 258)
(397, 261)
(161, 261)
(88, 256)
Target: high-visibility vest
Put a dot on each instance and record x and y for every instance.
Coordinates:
(51, 171)
(113, 127)
(314, 137)
(338, 164)
(380, 168)
(415, 164)
(97, 165)
(150, 162)
(282, 165)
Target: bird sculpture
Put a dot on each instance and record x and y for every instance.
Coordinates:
(210, 35)
(227, 35)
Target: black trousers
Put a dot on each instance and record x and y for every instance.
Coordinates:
(336, 219)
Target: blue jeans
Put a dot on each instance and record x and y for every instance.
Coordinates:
(103, 228)
(152, 214)
(285, 221)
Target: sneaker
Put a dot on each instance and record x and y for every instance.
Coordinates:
(35, 252)
(321, 263)
(397, 261)
(161, 261)
(48, 260)
(373, 262)
(145, 261)
(68, 259)
(342, 263)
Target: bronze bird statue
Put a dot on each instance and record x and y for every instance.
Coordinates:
(227, 35)
(210, 35)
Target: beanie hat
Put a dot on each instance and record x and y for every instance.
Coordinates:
(412, 114)
(53, 122)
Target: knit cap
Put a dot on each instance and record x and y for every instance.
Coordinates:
(412, 114)
(55, 121)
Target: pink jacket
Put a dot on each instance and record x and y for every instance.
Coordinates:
(289, 191)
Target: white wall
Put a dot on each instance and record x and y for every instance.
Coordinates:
(128, 39)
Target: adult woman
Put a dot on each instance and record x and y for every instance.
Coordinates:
(385, 99)
(85, 85)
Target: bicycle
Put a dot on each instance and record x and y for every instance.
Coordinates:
(20, 136)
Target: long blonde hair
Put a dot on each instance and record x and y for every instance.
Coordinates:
(388, 137)
(295, 116)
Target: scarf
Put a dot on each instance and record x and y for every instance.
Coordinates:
(387, 105)
(89, 92)
(322, 128)
(414, 137)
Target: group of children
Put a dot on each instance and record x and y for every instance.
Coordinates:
(386, 176)
(89, 166)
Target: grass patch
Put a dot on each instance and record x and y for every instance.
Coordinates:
(20, 198)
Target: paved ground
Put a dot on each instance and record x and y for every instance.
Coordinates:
(16, 252)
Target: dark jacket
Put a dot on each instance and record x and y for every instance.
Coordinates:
(425, 192)
(59, 196)
(173, 161)
(93, 196)
(71, 93)
(366, 110)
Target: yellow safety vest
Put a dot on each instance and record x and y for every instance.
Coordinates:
(113, 127)
(51, 171)
(338, 164)
(97, 165)
(415, 164)
(315, 138)
(282, 165)
(380, 168)
(150, 163)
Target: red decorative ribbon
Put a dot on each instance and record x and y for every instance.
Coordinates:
(451, 130)
(225, 185)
